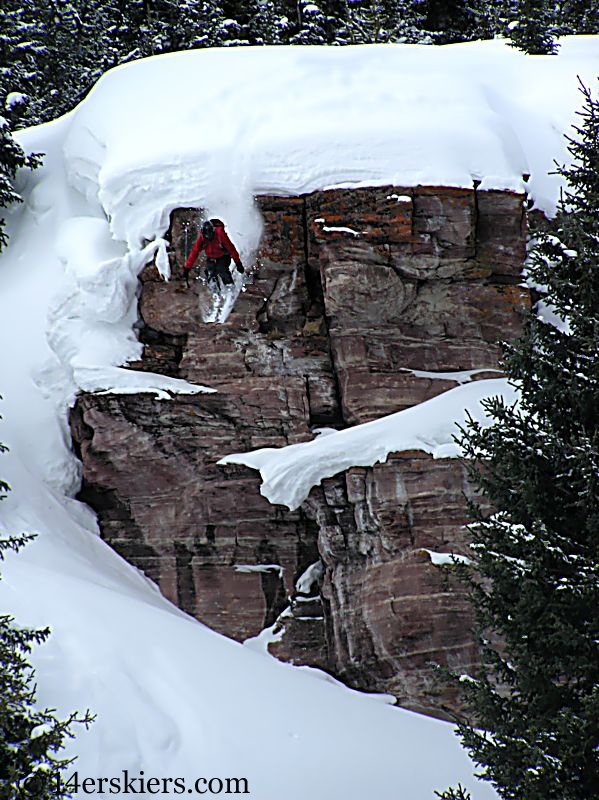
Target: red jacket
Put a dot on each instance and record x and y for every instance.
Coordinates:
(216, 247)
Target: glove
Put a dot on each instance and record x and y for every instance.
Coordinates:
(240, 268)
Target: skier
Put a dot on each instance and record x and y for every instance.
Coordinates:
(219, 252)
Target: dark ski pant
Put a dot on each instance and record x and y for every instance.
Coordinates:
(219, 268)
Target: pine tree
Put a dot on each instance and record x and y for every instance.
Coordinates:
(17, 82)
(30, 739)
(458, 793)
(76, 41)
(171, 25)
(536, 586)
(267, 23)
(62, 58)
(484, 20)
(449, 21)
(19, 51)
(121, 26)
(336, 14)
(312, 24)
(55, 53)
(12, 158)
(578, 16)
(386, 21)
(216, 27)
(533, 26)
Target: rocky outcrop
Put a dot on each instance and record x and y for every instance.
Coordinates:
(424, 283)
(391, 612)
(358, 297)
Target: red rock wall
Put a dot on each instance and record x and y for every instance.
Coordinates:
(431, 282)
(327, 332)
(391, 612)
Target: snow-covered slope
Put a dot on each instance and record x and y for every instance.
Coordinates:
(212, 129)
(176, 700)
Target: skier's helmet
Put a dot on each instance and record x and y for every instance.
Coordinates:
(208, 230)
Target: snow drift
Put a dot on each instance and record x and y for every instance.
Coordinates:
(290, 472)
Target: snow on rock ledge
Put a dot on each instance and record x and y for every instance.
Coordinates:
(386, 114)
(288, 474)
(92, 315)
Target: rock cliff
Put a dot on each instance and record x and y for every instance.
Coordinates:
(358, 296)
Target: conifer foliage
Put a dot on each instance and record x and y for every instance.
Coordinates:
(533, 26)
(579, 16)
(312, 24)
(387, 21)
(459, 20)
(20, 50)
(30, 739)
(536, 585)
(18, 53)
(12, 157)
(267, 23)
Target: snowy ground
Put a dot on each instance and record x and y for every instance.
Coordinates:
(212, 129)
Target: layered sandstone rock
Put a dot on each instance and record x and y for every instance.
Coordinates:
(391, 612)
(357, 296)
(424, 283)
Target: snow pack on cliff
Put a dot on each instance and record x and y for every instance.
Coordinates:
(212, 129)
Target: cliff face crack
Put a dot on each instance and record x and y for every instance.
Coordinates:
(475, 221)
(186, 591)
(307, 385)
(312, 275)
